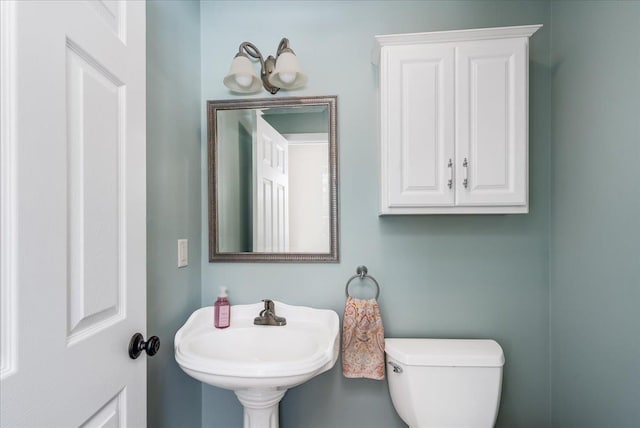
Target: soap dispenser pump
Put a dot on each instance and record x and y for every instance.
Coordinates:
(222, 310)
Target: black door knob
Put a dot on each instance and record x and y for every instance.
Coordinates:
(137, 345)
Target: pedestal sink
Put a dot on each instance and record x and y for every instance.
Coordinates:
(258, 363)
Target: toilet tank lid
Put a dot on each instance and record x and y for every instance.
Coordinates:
(446, 352)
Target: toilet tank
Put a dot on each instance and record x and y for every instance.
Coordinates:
(445, 382)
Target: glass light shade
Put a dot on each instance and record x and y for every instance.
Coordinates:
(287, 74)
(242, 77)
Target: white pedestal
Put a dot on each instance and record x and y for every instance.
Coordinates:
(260, 407)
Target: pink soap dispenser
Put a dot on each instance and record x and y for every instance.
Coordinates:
(222, 310)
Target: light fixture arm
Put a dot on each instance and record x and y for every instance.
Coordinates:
(248, 48)
(284, 47)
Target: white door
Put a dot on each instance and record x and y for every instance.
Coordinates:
(417, 126)
(491, 122)
(73, 213)
(271, 214)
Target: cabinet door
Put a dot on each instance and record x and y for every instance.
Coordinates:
(416, 102)
(491, 123)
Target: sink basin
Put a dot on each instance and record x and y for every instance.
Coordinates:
(259, 363)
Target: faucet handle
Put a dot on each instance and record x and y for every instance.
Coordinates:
(268, 305)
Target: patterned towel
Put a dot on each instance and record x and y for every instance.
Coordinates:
(362, 340)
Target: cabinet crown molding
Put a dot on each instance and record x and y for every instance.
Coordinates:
(450, 36)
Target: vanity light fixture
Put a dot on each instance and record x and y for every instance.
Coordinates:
(281, 72)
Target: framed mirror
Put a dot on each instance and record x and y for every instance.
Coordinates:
(273, 180)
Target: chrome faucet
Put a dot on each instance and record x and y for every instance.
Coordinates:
(268, 315)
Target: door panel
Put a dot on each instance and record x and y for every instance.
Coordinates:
(110, 415)
(78, 247)
(491, 118)
(95, 101)
(271, 227)
(420, 130)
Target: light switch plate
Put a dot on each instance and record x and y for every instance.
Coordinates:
(183, 252)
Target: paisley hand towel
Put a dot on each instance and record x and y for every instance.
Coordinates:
(362, 340)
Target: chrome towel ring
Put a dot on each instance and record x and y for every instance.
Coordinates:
(362, 272)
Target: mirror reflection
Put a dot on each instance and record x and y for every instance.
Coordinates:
(272, 172)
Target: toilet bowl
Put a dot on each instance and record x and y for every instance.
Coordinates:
(445, 382)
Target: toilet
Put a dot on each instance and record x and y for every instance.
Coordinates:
(445, 382)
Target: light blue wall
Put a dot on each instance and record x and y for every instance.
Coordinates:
(233, 211)
(441, 276)
(595, 206)
(173, 202)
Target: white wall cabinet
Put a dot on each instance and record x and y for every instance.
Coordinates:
(454, 121)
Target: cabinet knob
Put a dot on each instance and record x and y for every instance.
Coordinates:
(450, 166)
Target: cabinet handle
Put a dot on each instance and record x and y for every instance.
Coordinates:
(465, 165)
(450, 166)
